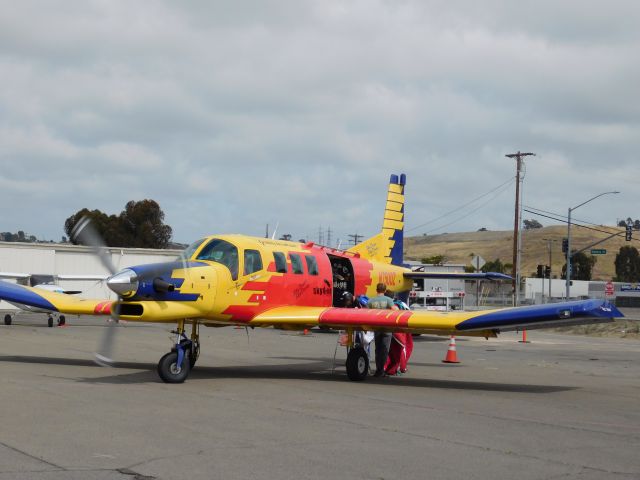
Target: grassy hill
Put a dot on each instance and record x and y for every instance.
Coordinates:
(459, 247)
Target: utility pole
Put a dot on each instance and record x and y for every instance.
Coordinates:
(328, 236)
(516, 227)
(550, 265)
(355, 238)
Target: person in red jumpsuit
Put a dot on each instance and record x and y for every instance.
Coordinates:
(400, 349)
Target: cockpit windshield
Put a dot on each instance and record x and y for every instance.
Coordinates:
(187, 252)
(223, 252)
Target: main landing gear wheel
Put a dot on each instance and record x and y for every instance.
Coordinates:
(170, 372)
(50, 321)
(62, 321)
(7, 319)
(357, 364)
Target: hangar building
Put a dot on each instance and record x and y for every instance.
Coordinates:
(51, 260)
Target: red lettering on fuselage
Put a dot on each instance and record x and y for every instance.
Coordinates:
(388, 278)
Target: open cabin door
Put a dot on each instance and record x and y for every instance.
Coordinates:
(342, 273)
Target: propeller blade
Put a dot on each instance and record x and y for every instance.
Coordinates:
(104, 355)
(85, 233)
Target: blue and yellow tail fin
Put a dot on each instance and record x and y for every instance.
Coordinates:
(387, 246)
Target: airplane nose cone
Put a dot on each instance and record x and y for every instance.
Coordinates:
(124, 283)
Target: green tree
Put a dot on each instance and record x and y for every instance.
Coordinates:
(581, 266)
(531, 224)
(494, 266)
(140, 225)
(627, 265)
(434, 260)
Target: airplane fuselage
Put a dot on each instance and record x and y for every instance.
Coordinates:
(232, 278)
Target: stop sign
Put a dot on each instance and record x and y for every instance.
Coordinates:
(608, 289)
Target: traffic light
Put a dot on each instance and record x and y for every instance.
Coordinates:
(540, 271)
(628, 235)
(547, 271)
(565, 245)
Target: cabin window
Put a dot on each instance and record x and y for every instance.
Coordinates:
(312, 264)
(252, 261)
(222, 252)
(281, 262)
(296, 263)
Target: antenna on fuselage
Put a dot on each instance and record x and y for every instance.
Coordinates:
(273, 237)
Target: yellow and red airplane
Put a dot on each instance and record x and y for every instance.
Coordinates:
(225, 280)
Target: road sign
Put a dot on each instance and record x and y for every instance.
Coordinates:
(608, 289)
(598, 251)
(478, 262)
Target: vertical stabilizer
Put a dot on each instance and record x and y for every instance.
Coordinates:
(387, 246)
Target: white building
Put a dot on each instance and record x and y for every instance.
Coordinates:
(60, 259)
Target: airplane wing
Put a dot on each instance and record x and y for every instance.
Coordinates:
(82, 277)
(14, 275)
(53, 301)
(485, 323)
(456, 276)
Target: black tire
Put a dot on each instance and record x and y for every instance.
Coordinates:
(62, 320)
(50, 322)
(357, 364)
(7, 319)
(168, 371)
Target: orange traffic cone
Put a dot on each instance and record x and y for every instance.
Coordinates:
(524, 337)
(452, 356)
(305, 331)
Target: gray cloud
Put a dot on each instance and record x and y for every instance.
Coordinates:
(236, 114)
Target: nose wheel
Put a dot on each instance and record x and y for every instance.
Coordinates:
(173, 369)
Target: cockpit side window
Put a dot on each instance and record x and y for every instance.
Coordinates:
(281, 262)
(252, 261)
(222, 252)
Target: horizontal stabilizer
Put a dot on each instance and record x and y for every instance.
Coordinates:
(459, 275)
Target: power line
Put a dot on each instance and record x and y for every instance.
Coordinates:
(619, 233)
(561, 216)
(562, 219)
(508, 182)
(505, 186)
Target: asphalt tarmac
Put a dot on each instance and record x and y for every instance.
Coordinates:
(271, 405)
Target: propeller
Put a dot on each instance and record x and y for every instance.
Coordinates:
(85, 233)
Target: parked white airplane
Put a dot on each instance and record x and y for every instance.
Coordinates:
(44, 282)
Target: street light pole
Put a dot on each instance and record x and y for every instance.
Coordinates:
(568, 271)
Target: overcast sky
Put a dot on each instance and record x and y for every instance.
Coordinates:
(232, 115)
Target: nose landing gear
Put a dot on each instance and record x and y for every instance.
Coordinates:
(174, 367)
